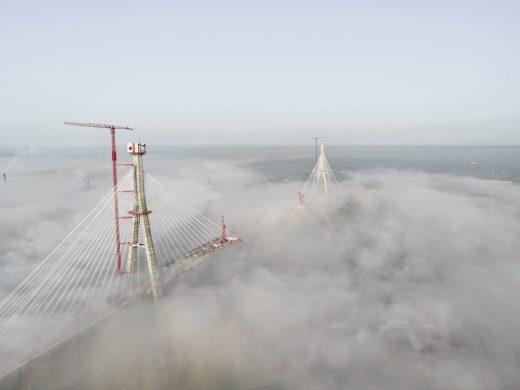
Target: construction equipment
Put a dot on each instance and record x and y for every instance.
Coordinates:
(113, 129)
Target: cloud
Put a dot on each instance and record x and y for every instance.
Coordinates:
(399, 281)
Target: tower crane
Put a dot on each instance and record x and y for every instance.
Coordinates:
(113, 129)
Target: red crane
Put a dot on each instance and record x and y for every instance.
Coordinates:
(113, 129)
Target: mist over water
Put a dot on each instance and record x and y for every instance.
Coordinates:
(406, 277)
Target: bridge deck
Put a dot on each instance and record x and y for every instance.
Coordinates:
(15, 378)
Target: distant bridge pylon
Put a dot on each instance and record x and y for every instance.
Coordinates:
(320, 180)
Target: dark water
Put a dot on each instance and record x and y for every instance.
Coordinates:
(498, 163)
(279, 163)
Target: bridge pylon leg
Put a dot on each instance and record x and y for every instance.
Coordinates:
(141, 218)
(134, 240)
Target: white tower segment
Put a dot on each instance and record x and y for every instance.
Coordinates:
(321, 177)
(140, 214)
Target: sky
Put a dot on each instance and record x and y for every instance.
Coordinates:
(261, 72)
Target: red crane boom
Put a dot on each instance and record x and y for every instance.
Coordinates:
(101, 125)
(113, 129)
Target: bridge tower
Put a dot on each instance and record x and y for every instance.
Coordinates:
(140, 217)
(323, 175)
(320, 180)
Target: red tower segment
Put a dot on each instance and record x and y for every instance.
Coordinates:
(223, 235)
(113, 129)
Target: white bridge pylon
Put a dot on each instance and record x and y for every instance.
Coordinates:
(140, 215)
(79, 282)
(320, 180)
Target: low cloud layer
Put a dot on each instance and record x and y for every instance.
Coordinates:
(398, 281)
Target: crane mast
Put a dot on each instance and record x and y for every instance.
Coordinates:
(112, 129)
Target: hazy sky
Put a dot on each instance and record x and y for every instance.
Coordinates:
(198, 72)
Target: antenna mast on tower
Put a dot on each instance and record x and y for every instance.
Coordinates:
(316, 139)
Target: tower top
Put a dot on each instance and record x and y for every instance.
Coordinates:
(137, 148)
